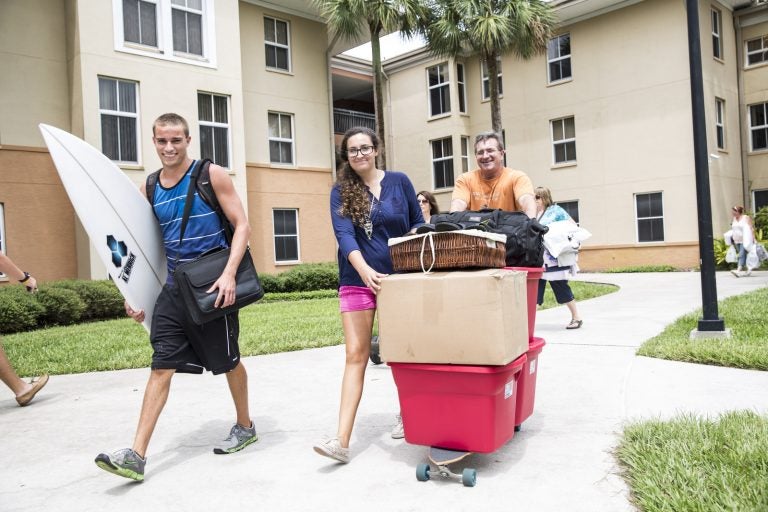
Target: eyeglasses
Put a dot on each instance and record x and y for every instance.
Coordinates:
(538, 197)
(482, 152)
(362, 150)
(423, 201)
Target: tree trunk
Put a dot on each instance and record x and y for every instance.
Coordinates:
(378, 94)
(493, 81)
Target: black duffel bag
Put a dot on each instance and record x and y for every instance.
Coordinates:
(525, 236)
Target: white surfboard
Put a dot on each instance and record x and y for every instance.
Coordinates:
(117, 217)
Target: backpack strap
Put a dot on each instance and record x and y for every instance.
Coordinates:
(207, 194)
(149, 186)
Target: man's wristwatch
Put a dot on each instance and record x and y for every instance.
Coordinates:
(27, 275)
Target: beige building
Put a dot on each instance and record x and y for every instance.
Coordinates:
(604, 120)
(251, 77)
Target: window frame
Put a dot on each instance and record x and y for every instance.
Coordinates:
(716, 24)
(443, 87)
(275, 44)
(559, 59)
(164, 26)
(275, 236)
(762, 51)
(121, 113)
(464, 145)
(563, 142)
(720, 139)
(214, 125)
(461, 86)
(484, 80)
(291, 140)
(754, 198)
(753, 128)
(651, 217)
(448, 160)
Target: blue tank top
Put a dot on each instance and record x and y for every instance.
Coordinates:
(203, 231)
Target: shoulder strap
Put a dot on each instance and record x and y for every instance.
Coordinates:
(188, 204)
(150, 185)
(207, 194)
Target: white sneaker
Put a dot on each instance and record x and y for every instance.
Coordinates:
(397, 430)
(332, 448)
(748, 272)
(735, 273)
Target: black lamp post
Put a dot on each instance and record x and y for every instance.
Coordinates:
(710, 322)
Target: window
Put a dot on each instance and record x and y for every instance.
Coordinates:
(464, 153)
(650, 217)
(280, 138)
(559, 58)
(439, 90)
(761, 201)
(119, 119)
(571, 207)
(564, 140)
(213, 114)
(178, 30)
(720, 122)
(286, 228)
(140, 22)
(757, 51)
(277, 44)
(187, 26)
(462, 88)
(717, 30)
(442, 162)
(758, 126)
(486, 83)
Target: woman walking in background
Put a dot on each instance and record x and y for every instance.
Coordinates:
(368, 206)
(743, 237)
(428, 205)
(560, 266)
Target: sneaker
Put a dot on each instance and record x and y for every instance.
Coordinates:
(125, 463)
(239, 438)
(748, 272)
(735, 273)
(332, 448)
(397, 430)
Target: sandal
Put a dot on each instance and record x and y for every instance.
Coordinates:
(575, 324)
(37, 385)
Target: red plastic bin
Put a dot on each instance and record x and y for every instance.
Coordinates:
(534, 274)
(526, 384)
(458, 407)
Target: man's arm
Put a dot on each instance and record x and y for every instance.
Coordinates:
(235, 213)
(458, 205)
(528, 205)
(460, 195)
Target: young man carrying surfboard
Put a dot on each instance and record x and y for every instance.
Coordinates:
(178, 344)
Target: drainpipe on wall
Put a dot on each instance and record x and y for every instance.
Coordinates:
(743, 132)
(328, 57)
(389, 144)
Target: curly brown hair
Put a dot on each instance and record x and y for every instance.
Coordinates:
(354, 193)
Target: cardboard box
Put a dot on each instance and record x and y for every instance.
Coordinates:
(465, 317)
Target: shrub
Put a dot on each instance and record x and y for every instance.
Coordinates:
(310, 276)
(761, 219)
(271, 283)
(62, 306)
(19, 311)
(102, 298)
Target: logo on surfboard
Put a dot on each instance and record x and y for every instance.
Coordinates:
(119, 252)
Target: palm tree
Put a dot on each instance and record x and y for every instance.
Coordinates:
(488, 28)
(348, 18)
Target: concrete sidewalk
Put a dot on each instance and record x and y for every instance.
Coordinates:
(590, 383)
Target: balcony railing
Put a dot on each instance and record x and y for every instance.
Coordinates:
(343, 120)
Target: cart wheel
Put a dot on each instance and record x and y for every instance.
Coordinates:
(517, 428)
(422, 472)
(469, 477)
(375, 359)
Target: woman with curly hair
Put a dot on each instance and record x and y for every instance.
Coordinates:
(368, 206)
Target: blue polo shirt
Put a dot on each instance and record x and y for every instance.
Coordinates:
(394, 214)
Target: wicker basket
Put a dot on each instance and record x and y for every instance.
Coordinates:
(469, 248)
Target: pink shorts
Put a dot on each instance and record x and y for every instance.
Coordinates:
(356, 298)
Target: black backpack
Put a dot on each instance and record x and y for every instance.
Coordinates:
(204, 189)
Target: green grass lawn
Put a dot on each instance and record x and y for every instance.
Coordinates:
(747, 317)
(273, 325)
(697, 464)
